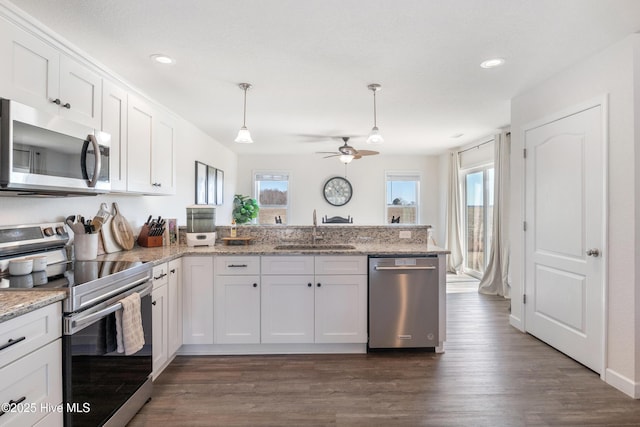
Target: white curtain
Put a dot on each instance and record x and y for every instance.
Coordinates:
(454, 227)
(495, 279)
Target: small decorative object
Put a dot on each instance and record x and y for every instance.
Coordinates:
(234, 229)
(244, 208)
(278, 220)
(395, 220)
(337, 191)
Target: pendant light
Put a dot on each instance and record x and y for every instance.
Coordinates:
(374, 136)
(244, 137)
(346, 158)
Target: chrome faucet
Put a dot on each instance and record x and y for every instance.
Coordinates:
(314, 233)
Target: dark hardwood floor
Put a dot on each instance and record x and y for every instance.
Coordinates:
(489, 375)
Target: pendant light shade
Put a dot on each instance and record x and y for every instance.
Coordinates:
(244, 137)
(374, 136)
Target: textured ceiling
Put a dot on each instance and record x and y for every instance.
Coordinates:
(310, 61)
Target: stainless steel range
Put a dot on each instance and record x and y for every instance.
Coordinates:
(112, 385)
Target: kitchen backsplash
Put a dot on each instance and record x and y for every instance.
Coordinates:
(331, 234)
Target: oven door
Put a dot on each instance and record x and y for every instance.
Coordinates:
(42, 152)
(98, 381)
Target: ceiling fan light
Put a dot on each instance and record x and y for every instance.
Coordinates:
(346, 158)
(244, 137)
(375, 137)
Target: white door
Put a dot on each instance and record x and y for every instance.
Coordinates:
(287, 309)
(565, 195)
(236, 310)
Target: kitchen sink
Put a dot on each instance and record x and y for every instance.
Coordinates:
(302, 247)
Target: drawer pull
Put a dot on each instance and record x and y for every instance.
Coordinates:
(160, 276)
(12, 342)
(11, 405)
(237, 266)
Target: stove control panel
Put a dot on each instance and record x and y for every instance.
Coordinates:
(19, 239)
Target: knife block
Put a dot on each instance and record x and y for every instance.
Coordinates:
(147, 241)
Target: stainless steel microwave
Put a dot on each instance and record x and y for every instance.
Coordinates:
(44, 154)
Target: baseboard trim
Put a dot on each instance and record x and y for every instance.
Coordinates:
(622, 383)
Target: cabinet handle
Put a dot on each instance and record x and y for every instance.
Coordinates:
(255, 285)
(157, 184)
(160, 276)
(309, 285)
(154, 302)
(12, 342)
(173, 271)
(237, 265)
(319, 284)
(11, 405)
(67, 106)
(55, 101)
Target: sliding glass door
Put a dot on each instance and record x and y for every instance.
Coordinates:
(478, 217)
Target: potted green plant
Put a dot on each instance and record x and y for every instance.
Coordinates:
(244, 208)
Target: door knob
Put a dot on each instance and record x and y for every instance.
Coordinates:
(593, 252)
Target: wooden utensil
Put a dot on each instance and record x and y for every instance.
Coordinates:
(122, 232)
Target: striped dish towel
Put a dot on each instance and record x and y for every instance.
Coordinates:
(129, 332)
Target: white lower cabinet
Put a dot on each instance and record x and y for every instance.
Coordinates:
(31, 369)
(174, 317)
(236, 300)
(197, 299)
(159, 315)
(287, 309)
(312, 307)
(166, 312)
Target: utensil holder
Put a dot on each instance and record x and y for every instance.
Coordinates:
(147, 241)
(86, 246)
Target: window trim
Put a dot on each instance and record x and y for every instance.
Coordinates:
(408, 173)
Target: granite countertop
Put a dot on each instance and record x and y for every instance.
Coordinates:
(167, 253)
(14, 303)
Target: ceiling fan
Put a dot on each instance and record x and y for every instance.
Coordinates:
(347, 153)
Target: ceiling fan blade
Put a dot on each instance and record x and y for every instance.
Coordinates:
(333, 155)
(327, 152)
(367, 152)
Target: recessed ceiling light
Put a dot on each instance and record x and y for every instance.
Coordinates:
(492, 63)
(162, 59)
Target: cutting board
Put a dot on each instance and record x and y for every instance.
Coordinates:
(122, 232)
(108, 240)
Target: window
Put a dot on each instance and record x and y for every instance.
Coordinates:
(272, 194)
(402, 201)
(478, 205)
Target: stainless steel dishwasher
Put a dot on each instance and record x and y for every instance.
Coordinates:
(403, 302)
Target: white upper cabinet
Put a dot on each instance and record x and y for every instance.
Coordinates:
(114, 122)
(150, 148)
(35, 73)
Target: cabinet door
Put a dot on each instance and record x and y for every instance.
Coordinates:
(140, 122)
(341, 309)
(175, 306)
(114, 122)
(236, 303)
(80, 93)
(287, 309)
(29, 70)
(197, 294)
(163, 155)
(159, 322)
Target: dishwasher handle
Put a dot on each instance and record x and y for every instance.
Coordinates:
(408, 267)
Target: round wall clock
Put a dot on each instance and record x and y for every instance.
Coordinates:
(337, 191)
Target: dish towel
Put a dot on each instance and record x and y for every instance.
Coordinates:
(129, 332)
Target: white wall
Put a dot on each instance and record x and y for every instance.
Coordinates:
(614, 72)
(308, 174)
(191, 145)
